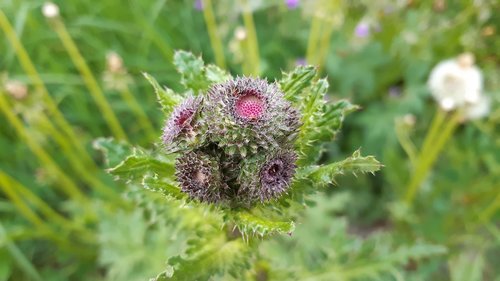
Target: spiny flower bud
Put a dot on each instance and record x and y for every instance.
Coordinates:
(181, 129)
(267, 177)
(199, 176)
(248, 114)
(16, 89)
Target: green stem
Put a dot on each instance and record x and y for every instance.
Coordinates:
(66, 184)
(88, 174)
(433, 131)
(11, 186)
(30, 69)
(21, 260)
(89, 79)
(405, 142)
(142, 118)
(428, 158)
(486, 215)
(33, 218)
(324, 45)
(313, 40)
(215, 39)
(252, 46)
(320, 34)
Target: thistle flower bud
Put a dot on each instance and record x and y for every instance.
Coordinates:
(114, 63)
(248, 114)
(182, 129)
(115, 77)
(199, 176)
(16, 89)
(267, 177)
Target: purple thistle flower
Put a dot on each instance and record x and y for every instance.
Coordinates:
(276, 175)
(267, 178)
(292, 4)
(362, 30)
(198, 5)
(251, 111)
(180, 125)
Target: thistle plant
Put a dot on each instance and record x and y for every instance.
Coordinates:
(241, 150)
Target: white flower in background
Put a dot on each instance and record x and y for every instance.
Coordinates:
(240, 33)
(456, 82)
(50, 10)
(479, 109)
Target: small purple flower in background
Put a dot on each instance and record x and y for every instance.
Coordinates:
(395, 91)
(362, 30)
(300, 62)
(292, 4)
(198, 5)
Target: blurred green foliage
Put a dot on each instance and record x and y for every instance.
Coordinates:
(360, 230)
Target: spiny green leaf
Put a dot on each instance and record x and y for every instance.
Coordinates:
(326, 174)
(137, 165)
(162, 185)
(294, 82)
(251, 224)
(376, 266)
(192, 70)
(218, 256)
(215, 74)
(333, 116)
(312, 110)
(166, 97)
(194, 74)
(113, 151)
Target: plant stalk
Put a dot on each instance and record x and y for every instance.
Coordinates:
(428, 158)
(215, 40)
(89, 79)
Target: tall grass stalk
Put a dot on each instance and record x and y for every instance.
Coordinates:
(11, 186)
(487, 213)
(324, 45)
(321, 31)
(252, 42)
(22, 261)
(313, 40)
(89, 79)
(405, 141)
(88, 174)
(433, 132)
(43, 227)
(136, 108)
(215, 40)
(30, 69)
(65, 183)
(439, 136)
